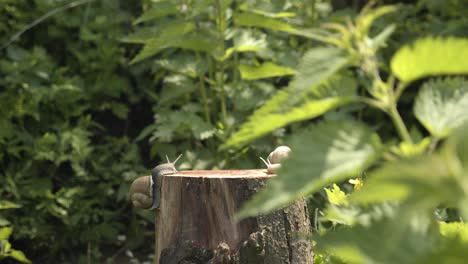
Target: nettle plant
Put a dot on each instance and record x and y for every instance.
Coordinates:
(403, 185)
(216, 62)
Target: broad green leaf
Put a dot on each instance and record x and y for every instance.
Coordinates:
(385, 241)
(8, 205)
(158, 10)
(141, 35)
(19, 256)
(427, 181)
(451, 251)
(256, 20)
(5, 232)
(326, 153)
(175, 86)
(292, 105)
(416, 179)
(174, 35)
(266, 70)
(431, 56)
(454, 230)
(442, 104)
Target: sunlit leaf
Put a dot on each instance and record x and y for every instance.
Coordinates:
(442, 104)
(8, 205)
(292, 104)
(367, 17)
(266, 70)
(246, 41)
(5, 232)
(454, 230)
(19, 256)
(326, 153)
(431, 56)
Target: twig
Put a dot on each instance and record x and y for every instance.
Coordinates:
(42, 18)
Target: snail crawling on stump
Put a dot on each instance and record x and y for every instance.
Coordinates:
(145, 192)
(273, 161)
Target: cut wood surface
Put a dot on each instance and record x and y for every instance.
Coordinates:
(194, 222)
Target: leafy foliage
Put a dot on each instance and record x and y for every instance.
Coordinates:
(85, 110)
(318, 65)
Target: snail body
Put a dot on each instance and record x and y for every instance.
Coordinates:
(145, 192)
(156, 176)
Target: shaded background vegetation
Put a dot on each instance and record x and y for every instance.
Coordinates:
(78, 122)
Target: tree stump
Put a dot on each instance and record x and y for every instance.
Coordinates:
(194, 222)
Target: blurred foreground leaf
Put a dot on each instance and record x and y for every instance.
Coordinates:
(326, 153)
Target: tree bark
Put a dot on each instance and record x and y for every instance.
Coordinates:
(194, 222)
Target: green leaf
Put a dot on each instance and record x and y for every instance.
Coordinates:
(174, 35)
(266, 70)
(176, 122)
(442, 104)
(246, 41)
(419, 178)
(454, 230)
(326, 153)
(175, 86)
(184, 63)
(386, 241)
(292, 104)
(5, 232)
(8, 205)
(19, 256)
(256, 20)
(158, 10)
(431, 56)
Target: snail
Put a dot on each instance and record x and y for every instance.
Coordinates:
(140, 192)
(273, 161)
(156, 173)
(145, 191)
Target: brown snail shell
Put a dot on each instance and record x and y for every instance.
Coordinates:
(140, 192)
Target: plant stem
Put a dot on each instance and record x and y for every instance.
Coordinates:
(221, 24)
(204, 100)
(399, 124)
(399, 90)
(203, 95)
